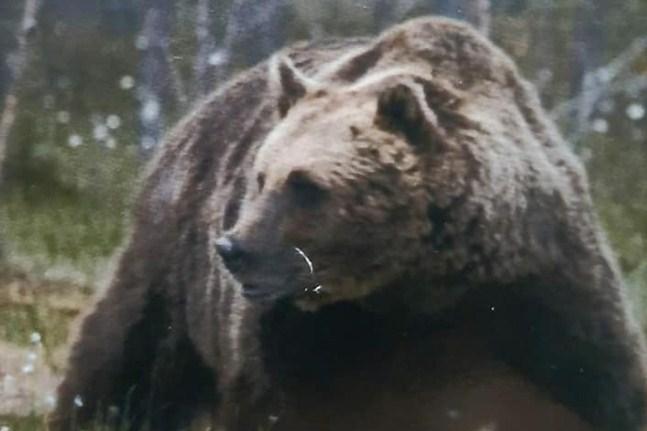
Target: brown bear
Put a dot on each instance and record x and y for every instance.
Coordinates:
(364, 235)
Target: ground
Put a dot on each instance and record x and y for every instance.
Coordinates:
(35, 317)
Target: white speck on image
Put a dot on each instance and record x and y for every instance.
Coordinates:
(111, 143)
(126, 82)
(600, 125)
(5, 428)
(635, 111)
(100, 132)
(27, 368)
(113, 121)
(141, 42)
(78, 401)
(50, 400)
(151, 110)
(217, 58)
(74, 141)
(148, 142)
(35, 337)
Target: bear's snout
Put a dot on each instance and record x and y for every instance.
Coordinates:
(264, 273)
(232, 252)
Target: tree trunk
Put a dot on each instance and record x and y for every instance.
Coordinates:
(543, 53)
(254, 29)
(159, 81)
(206, 58)
(588, 42)
(477, 13)
(16, 64)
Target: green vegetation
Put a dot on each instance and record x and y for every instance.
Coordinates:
(29, 423)
(32, 307)
(619, 185)
(70, 228)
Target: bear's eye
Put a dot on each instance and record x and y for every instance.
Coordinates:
(305, 191)
(260, 181)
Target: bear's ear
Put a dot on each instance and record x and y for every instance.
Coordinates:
(403, 108)
(289, 83)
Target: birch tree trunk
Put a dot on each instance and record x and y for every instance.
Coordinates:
(477, 13)
(543, 53)
(159, 81)
(254, 28)
(588, 43)
(17, 61)
(206, 60)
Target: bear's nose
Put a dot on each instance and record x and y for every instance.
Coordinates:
(231, 252)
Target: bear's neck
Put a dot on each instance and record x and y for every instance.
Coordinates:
(415, 299)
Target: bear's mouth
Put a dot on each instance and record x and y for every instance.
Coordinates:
(260, 293)
(273, 279)
(256, 292)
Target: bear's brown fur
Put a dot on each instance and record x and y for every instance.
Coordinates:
(405, 242)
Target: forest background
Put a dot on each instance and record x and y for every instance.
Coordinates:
(88, 88)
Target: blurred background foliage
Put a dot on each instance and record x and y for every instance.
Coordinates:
(97, 82)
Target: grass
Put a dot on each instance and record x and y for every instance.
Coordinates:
(27, 423)
(47, 235)
(57, 235)
(30, 306)
(66, 223)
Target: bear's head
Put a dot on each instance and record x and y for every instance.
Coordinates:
(344, 192)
